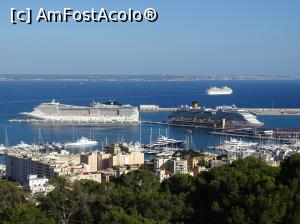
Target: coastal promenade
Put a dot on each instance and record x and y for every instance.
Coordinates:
(257, 111)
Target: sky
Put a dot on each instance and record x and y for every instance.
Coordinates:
(192, 37)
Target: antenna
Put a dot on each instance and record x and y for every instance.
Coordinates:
(73, 131)
(51, 134)
(41, 136)
(6, 138)
(140, 130)
(150, 136)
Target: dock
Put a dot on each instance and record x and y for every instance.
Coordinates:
(279, 135)
(257, 111)
(275, 111)
(180, 125)
(159, 109)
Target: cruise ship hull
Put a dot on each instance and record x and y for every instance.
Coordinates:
(95, 114)
(81, 119)
(221, 119)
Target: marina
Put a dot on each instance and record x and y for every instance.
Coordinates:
(143, 112)
(100, 141)
(167, 96)
(280, 135)
(271, 152)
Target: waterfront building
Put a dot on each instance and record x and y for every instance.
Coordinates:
(94, 176)
(122, 159)
(18, 168)
(160, 162)
(2, 170)
(108, 174)
(38, 185)
(199, 169)
(178, 165)
(90, 159)
(194, 161)
(103, 160)
(119, 155)
(162, 174)
(80, 168)
(113, 149)
(20, 164)
(217, 163)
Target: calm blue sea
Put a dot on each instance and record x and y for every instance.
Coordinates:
(20, 96)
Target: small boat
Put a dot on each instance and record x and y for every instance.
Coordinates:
(83, 141)
(2, 147)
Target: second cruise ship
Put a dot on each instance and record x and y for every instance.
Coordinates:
(109, 112)
(222, 117)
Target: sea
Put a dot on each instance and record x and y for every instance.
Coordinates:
(23, 96)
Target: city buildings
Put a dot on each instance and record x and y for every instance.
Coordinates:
(35, 184)
(33, 169)
(178, 166)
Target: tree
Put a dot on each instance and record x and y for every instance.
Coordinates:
(23, 214)
(9, 193)
(243, 192)
(290, 169)
(61, 203)
(290, 176)
(118, 216)
(139, 193)
(179, 183)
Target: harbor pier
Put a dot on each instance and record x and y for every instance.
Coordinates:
(257, 111)
(278, 135)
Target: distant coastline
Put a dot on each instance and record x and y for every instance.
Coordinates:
(19, 77)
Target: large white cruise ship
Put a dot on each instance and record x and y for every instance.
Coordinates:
(109, 112)
(219, 91)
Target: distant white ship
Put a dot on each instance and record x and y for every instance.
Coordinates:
(82, 142)
(219, 91)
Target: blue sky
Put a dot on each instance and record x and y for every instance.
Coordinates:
(190, 37)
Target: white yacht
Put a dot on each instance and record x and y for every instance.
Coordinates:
(2, 147)
(219, 91)
(236, 145)
(164, 141)
(235, 142)
(83, 141)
